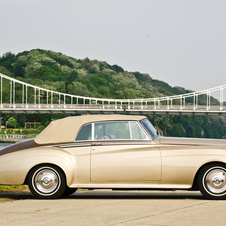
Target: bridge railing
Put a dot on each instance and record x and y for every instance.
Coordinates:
(111, 106)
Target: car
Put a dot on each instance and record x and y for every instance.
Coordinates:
(118, 152)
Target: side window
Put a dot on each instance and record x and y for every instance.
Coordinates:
(111, 130)
(137, 132)
(85, 133)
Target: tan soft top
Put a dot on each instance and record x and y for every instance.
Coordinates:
(64, 130)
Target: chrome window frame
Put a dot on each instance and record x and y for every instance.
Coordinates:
(130, 131)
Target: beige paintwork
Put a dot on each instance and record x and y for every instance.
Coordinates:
(125, 163)
(165, 163)
(15, 166)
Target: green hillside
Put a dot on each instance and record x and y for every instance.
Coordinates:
(93, 78)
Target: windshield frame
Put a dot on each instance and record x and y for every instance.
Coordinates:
(149, 128)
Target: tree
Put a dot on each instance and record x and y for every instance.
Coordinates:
(12, 123)
(7, 60)
(18, 68)
(117, 68)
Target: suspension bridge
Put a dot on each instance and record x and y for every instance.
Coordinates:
(21, 97)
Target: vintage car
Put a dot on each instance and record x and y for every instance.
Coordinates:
(116, 152)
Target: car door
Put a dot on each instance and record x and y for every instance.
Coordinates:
(121, 152)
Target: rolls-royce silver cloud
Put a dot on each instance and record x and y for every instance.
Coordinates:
(116, 152)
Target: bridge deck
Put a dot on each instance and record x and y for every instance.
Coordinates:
(112, 109)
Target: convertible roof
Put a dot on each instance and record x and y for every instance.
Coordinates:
(64, 130)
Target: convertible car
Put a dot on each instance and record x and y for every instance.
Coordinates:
(116, 152)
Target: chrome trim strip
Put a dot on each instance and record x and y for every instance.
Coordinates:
(73, 145)
(107, 143)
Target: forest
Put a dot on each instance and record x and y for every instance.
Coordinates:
(93, 78)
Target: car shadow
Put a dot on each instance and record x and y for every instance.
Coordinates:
(108, 194)
(102, 194)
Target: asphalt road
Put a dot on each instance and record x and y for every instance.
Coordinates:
(118, 208)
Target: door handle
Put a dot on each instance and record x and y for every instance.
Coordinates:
(96, 144)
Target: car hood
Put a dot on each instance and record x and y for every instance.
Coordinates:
(189, 141)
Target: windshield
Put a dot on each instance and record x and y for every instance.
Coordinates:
(150, 128)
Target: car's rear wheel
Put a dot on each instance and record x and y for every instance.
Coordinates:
(212, 181)
(47, 181)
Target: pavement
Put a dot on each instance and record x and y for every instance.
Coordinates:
(113, 208)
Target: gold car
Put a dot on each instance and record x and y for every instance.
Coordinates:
(113, 151)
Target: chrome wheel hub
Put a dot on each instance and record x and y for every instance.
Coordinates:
(215, 181)
(46, 181)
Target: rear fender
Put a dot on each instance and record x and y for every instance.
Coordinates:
(14, 167)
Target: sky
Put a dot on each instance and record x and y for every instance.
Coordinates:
(181, 42)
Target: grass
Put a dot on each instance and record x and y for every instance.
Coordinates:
(13, 188)
(10, 193)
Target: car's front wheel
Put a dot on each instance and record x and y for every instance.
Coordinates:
(212, 181)
(46, 181)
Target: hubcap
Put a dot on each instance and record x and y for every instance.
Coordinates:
(215, 181)
(46, 181)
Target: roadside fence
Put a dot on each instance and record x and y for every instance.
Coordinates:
(16, 136)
